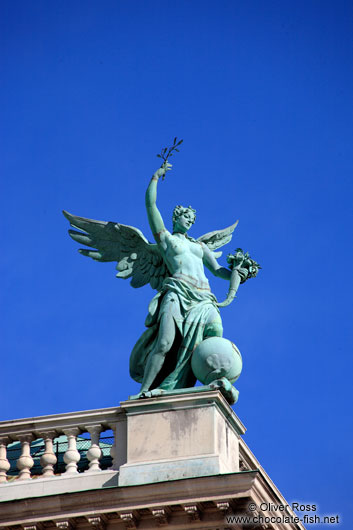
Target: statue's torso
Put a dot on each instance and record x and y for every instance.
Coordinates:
(184, 259)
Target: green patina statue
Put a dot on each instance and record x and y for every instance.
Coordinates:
(184, 312)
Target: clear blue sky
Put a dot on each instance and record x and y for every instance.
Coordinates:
(261, 92)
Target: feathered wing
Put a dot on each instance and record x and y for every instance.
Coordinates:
(136, 257)
(218, 238)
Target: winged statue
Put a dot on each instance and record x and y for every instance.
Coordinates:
(184, 311)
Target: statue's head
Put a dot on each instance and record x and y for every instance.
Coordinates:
(183, 218)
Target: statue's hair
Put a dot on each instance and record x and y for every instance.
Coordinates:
(179, 210)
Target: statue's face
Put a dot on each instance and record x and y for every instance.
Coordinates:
(184, 221)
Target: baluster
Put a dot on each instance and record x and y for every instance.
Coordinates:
(113, 447)
(48, 458)
(4, 463)
(71, 456)
(25, 462)
(94, 452)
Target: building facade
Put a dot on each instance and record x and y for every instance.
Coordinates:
(176, 461)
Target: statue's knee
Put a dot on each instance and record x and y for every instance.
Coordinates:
(164, 346)
(214, 329)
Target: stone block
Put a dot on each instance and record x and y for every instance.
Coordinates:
(180, 436)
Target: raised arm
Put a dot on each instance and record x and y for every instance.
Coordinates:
(154, 217)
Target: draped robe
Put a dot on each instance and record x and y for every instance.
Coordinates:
(196, 317)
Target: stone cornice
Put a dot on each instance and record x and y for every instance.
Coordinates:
(237, 489)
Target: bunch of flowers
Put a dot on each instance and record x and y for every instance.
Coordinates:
(246, 266)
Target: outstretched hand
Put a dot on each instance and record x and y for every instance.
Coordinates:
(161, 172)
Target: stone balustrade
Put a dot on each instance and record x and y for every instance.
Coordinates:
(46, 428)
(153, 440)
(156, 442)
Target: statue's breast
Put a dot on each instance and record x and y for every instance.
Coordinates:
(176, 246)
(196, 249)
(179, 246)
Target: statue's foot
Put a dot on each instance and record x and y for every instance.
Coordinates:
(227, 389)
(141, 395)
(148, 394)
(156, 392)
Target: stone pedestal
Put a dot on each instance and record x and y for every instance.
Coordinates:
(180, 436)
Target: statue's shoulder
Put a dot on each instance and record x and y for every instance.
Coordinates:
(192, 240)
(169, 236)
(163, 239)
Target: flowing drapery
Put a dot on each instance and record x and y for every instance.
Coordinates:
(196, 316)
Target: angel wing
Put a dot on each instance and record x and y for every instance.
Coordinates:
(218, 238)
(137, 258)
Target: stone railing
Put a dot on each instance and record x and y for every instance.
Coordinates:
(47, 428)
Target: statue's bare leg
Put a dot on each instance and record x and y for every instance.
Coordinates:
(166, 335)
